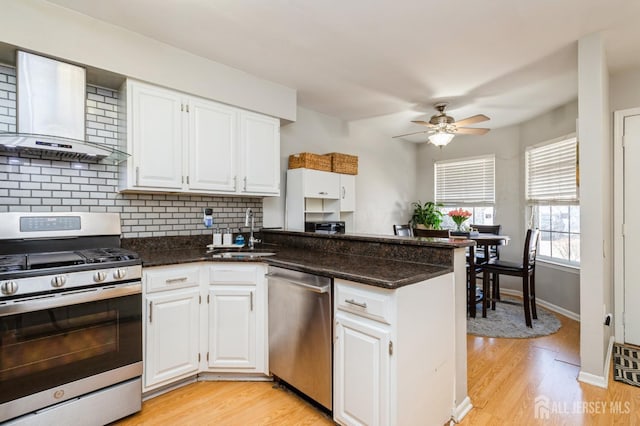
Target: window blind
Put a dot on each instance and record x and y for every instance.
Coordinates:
(551, 172)
(467, 181)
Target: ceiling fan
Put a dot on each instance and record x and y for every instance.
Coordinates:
(443, 127)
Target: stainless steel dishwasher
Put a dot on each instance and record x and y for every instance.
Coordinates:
(300, 332)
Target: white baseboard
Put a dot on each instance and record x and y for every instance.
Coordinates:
(544, 304)
(592, 379)
(600, 381)
(462, 410)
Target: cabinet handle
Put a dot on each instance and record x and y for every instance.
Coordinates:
(353, 302)
(251, 301)
(137, 175)
(187, 180)
(390, 348)
(175, 280)
(344, 192)
(150, 312)
(245, 183)
(323, 193)
(187, 107)
(235, 183)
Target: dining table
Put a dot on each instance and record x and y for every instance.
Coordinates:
(483, 242)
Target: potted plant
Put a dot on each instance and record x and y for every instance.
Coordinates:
(426, 215)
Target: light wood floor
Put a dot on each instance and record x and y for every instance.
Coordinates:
(505, 378)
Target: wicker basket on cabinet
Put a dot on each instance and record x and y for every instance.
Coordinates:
(344, 163)
(308, 160)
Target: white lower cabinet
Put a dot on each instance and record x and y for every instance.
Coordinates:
(361, 377)
(237, 318)
(203, 318)
(232, 327)
(394, 353)
(172, 335)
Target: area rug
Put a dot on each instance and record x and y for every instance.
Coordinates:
(626, 364)
(508, 321)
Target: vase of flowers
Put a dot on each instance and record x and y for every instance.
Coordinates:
(459, 216)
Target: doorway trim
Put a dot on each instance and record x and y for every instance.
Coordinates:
(618, 219)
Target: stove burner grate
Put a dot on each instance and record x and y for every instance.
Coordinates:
(14, 262)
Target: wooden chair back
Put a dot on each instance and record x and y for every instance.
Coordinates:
(488, 229)
(530, 249)
(433, 233)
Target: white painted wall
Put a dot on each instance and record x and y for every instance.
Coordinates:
(596, 204)
(624, 90)
(386, 180)
(54, 31)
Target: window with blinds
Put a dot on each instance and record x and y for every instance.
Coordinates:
(465, 181)
(551, 172)
(552, 194)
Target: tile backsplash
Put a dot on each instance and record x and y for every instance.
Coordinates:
(32, 183)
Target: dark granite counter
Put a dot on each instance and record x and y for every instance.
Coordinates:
(382, 261)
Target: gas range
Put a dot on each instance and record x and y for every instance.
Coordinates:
(56, 252)
(36, 273)
(70, 319)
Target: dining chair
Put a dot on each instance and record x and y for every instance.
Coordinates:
(433, 233)
(492, 251)
(403, 230)
(525, 269)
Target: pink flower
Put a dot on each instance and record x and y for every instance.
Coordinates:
(459, 216)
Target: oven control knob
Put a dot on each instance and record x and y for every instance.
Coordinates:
(9, 287)
(99, 276)
(58, 281)
(119, 274)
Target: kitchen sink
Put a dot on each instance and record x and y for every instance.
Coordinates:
(242, 254)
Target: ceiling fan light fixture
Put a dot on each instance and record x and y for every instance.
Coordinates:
(441, 138)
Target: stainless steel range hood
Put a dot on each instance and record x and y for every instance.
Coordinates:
(51, 99)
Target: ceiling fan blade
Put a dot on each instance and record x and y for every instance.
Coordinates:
(471, 131)
(471, 120)
(409, 134)
(422, 123)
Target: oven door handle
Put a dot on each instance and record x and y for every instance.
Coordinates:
(69, 298)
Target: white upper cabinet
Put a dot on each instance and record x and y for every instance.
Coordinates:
(212, 140)
(182, 143)
(347, 193)
(156, 133)
(260, 154)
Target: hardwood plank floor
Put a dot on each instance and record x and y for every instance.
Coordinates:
(505, 378)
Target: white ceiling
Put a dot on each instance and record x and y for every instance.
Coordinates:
(358, 59)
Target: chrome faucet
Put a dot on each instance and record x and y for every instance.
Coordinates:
(248, 216)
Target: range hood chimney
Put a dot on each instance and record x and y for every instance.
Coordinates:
(51, 97)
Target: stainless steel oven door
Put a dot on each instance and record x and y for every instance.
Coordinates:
(57, 347)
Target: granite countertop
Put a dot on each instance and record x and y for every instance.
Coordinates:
(378, 272)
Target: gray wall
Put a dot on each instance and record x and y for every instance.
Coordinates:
(558, 286)
(38, 184)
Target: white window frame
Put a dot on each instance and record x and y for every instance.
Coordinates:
(558, 186)
(465, 197)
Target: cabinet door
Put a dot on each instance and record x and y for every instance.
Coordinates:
(361, 372)
(212, 146)
(172, 335)
(319, 184)
(232, 327)
(347, 193)
(156, 131)
(260, 154)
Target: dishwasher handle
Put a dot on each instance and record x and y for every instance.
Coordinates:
(314, 288)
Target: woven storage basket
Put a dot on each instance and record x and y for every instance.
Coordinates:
(344, 163)
(310, 161)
